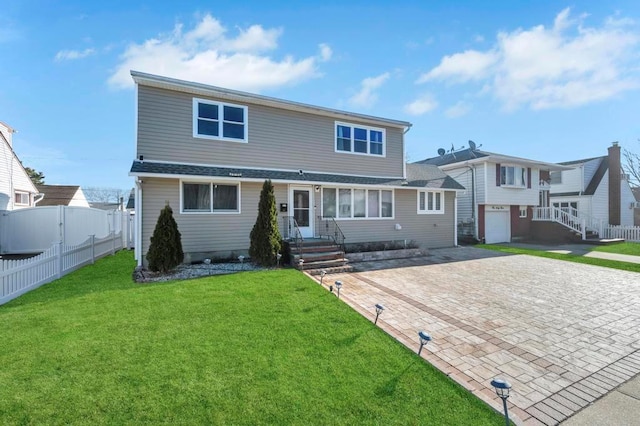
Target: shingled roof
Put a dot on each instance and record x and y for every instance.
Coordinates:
(57, 195)
(418, 176)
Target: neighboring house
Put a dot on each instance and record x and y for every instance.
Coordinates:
(106, 206)
(17, 191)
(207, 151)
(596, 188)
(501, 191)
(131, 202)
(636, 210)
(62, 195)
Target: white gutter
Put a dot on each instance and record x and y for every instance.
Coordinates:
(36, 200)
(404, 152)
(455, 220)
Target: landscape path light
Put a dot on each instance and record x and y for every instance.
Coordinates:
(322, 274)
(338, 286)
(278, 257)
(241, 259)
(424, 339)
(379, 309)
(503, 389)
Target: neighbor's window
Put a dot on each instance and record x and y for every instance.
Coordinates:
(555, 177)
(430, 202)
(357, 203)
(513, 176)
(21, 198)
(523, 211)
(210, 197)
(217, 120)
(360, 139)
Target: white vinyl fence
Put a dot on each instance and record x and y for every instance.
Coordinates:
(629, 233)
(34, 230)
(20, 276)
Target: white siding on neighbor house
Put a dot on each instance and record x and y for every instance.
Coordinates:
(463, 176)
(584, 202)
(571, 182)
(626, 212)
(600, 200)
(481, 184)
(511, 196)
(13, 178)
(590, 168)
(79, 200)
(277, 139)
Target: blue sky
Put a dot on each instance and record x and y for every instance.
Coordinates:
(542, 79)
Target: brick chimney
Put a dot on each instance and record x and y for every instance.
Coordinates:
(615, 178)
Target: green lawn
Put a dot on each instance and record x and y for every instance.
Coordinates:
(268, 347)
(625, 266)
(621, 248)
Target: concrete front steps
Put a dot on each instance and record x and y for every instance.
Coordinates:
(319, 254)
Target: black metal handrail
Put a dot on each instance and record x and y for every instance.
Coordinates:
(291, 232)
(328, 227)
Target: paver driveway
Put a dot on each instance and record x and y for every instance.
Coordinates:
(563, 334)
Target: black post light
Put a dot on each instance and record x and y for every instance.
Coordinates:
(338, 287)
(503, 389)
(424, 339)
(379, 309)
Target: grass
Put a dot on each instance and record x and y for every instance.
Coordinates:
(625, 266)
(621, 248)
(268, 347)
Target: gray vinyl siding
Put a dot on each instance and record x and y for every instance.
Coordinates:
(204, 235)
(428, 230)
(224, 235)
(277, 139)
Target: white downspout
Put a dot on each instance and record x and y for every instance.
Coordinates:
(455, 219)
(138, 224)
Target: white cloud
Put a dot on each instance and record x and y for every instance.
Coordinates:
(458, 110)
(566, 65)
(68, 55)
(367, 95)
(207, 55)
(325, 52)
(424, 104)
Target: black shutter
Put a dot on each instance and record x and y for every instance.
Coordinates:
(497, 174)
(528, 177)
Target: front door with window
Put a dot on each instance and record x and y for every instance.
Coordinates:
(302, 202)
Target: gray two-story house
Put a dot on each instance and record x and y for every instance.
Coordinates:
(206, 151)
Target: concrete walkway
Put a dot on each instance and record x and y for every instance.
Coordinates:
(564, 334)
(585, 250)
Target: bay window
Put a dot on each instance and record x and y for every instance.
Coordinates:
(357, 203)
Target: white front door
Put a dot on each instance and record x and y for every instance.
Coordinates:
(302, 203)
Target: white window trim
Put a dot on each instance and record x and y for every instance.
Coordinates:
(368, 128)
(523, 208)
(211, 183)
(426, 202)
(221, 106)
(515, 166)
(366, 204)
(21, 193)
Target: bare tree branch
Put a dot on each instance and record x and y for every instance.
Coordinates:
(631, 166)
(105, 195)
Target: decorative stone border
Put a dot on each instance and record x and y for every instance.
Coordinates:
(369, 256)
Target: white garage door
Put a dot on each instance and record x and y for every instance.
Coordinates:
(496, 227)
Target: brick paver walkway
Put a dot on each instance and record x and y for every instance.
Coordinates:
(563, 334)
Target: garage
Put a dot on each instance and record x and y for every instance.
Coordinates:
(497, 226)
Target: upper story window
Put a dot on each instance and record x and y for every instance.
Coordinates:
(430, 202)
(555, 177)
(21, 198)
(221, 121)
(513, 176)
(358, 139)
(209, 197)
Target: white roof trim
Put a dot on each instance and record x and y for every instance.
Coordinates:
(496, 158)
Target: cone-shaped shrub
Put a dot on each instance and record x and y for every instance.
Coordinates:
(265, 235)
(165, 251)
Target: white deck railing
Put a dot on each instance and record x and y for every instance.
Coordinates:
(20, 276)
(564, 216)
(629, 233)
